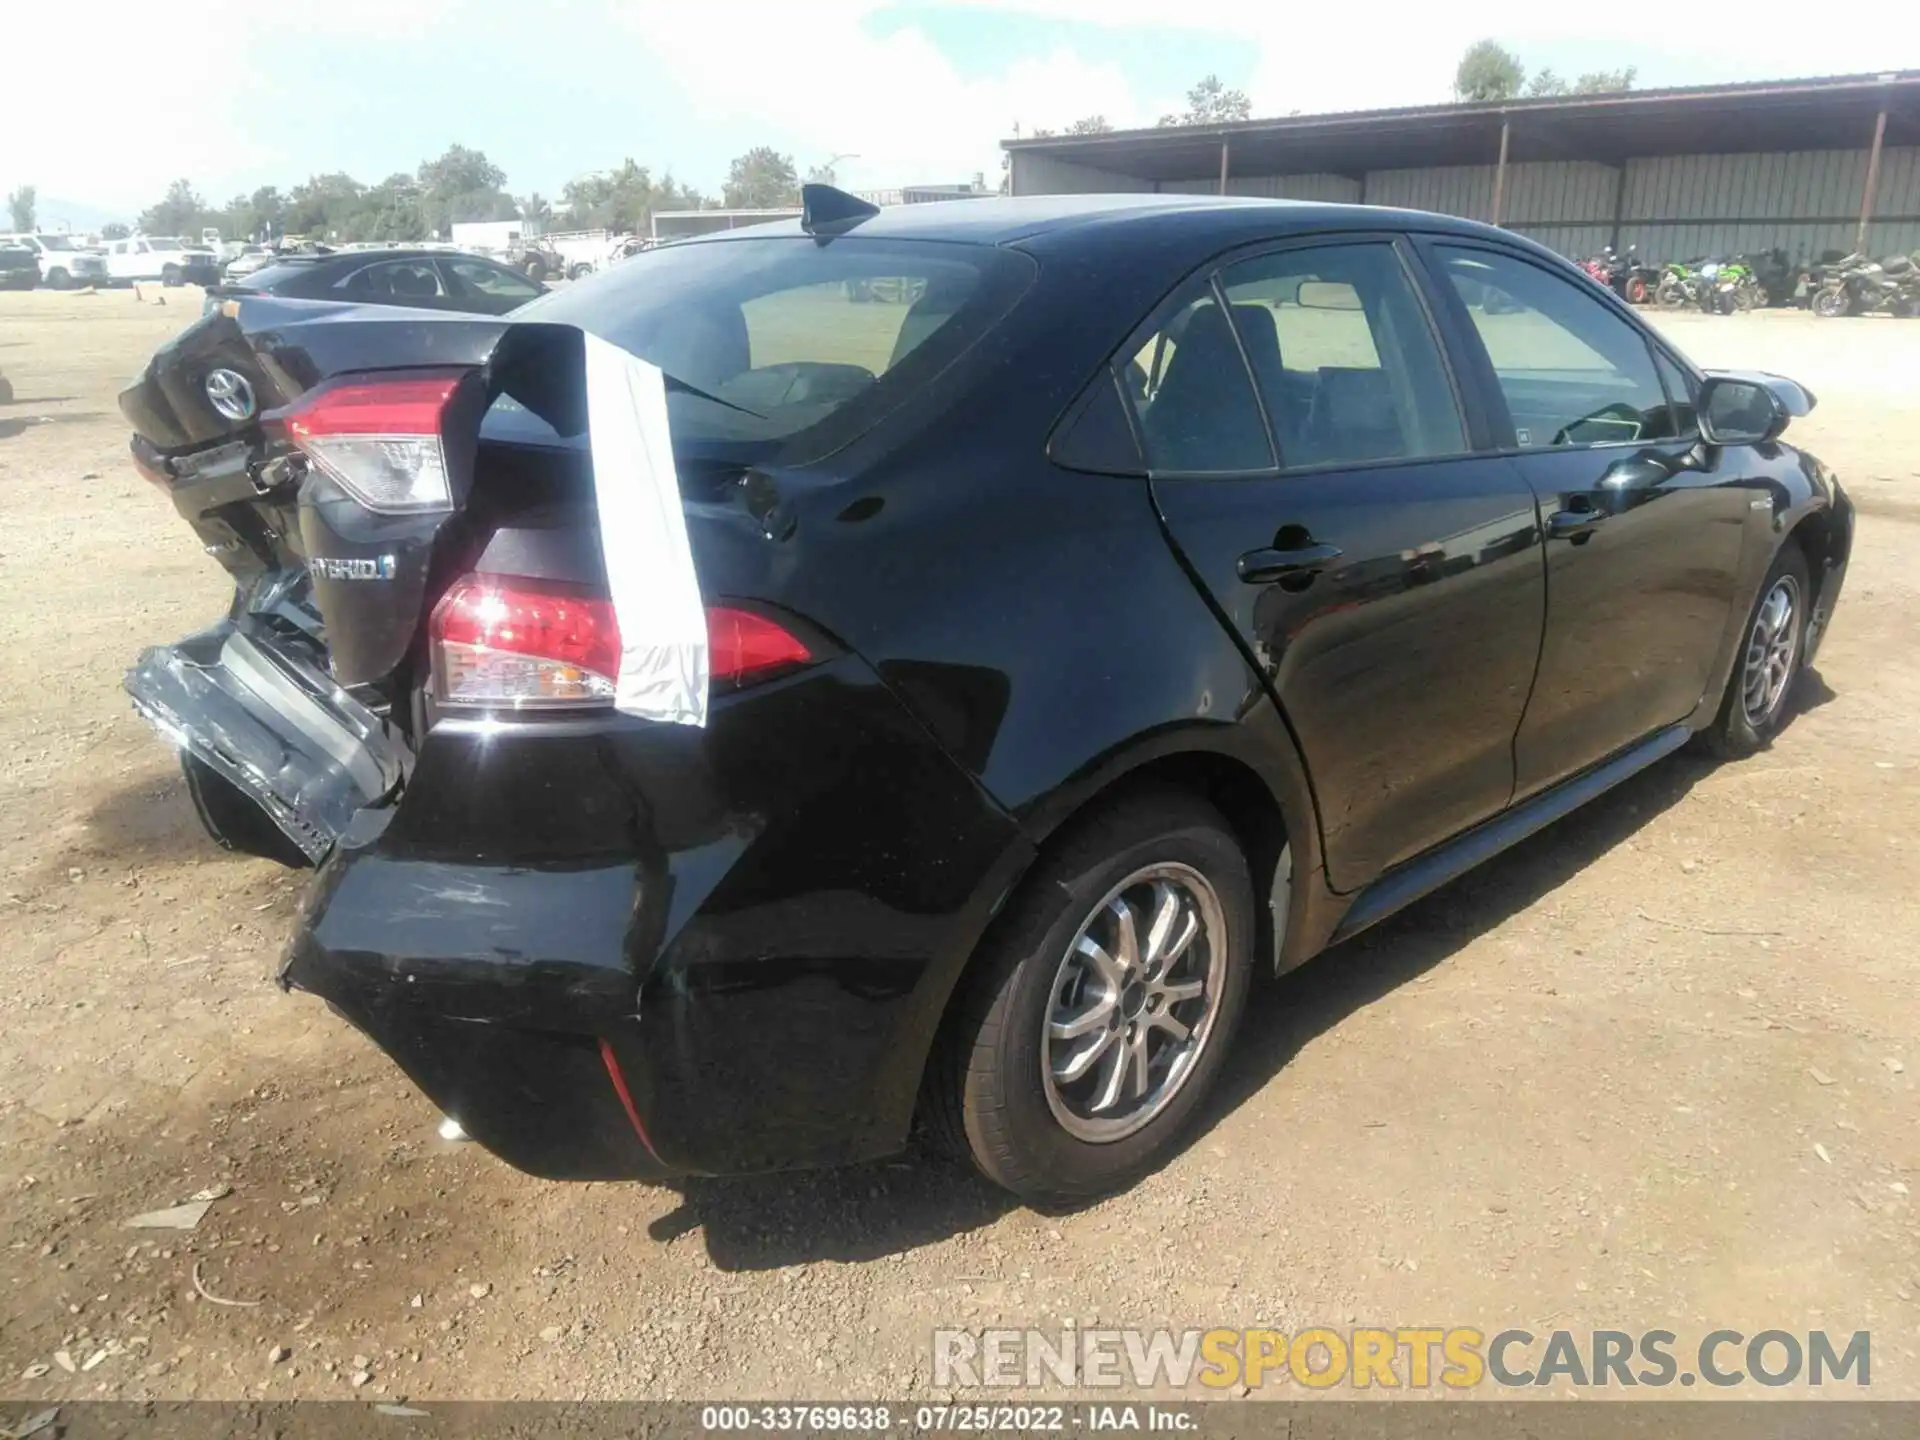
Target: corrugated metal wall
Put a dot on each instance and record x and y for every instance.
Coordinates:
(1805, 202)
(1672, 208)
(1337, 189)
(1045, 175)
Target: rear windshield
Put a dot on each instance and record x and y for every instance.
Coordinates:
(276, 273)
(798, 346)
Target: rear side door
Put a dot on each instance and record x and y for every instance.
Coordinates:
(1644, 525)
(1314, 463)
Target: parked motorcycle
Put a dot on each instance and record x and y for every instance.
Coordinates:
(1716, 287)
(1633, 280)
(1776, 275)
(1623, 274)
(1859, 286)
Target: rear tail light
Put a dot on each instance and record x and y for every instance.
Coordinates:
(380, 439)
(508, 642)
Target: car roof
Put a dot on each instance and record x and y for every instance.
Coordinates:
(404, 252)
(1006, 220)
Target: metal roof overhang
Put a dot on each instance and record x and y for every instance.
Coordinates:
(1830, 114)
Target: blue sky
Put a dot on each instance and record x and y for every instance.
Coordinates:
(918, 91)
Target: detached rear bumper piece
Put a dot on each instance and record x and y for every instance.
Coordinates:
(275, 727)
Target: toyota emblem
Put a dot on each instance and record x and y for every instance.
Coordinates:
(231, 393)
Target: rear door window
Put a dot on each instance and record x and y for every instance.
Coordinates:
(406, 281)
(1346, 362)
(1192, 397)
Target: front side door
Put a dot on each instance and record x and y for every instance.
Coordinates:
(488, 289)
(1644, 524)
(1312, 462)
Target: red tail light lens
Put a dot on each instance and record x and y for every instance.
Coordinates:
(507, 642)
(742, 646)
(380, 439)
(503, 641)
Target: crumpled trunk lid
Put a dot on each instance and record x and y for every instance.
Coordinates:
(292, 700)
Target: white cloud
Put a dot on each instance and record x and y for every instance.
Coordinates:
(111, 110)
(138, 106)
(822, 83)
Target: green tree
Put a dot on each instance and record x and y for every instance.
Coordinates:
(463, 185)
(20, 205)
(1090, 125)
(180, 213)
(324, 205)
(1488, 71)
(1606, 82)
(1594, 82)
(624, 200)
(762, 179)
(1209, 103)
(115, 230)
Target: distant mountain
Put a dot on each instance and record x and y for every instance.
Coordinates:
(54, 213)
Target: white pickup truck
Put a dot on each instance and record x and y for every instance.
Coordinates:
(170, 259)
(63, 263)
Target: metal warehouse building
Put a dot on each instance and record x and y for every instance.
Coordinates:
(1807, 165)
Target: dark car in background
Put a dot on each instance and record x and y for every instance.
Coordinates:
(1124, 596)
(19, 265)
(420, 278)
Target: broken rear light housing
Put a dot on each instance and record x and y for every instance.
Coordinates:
(380, 439)
(511, 642)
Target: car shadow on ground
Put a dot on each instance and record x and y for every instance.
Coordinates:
(39, 400)
(1284, 1015)
(10, 428)
(872, 1211)
(149, 820)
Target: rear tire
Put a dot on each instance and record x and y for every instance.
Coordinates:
(170, 276)
(1003, 1091)
(580, 271)
(59, 279)
(536, 271)
(1767, 667)
(1671, 295)
(1829, 304)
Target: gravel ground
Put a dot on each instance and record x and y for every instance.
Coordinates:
(1655, 1067)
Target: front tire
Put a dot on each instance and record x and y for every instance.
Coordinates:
(59, 279)
(170, 276)
(1097, 1018)
(1671, 295)
(1830, 304)
(1772, 654)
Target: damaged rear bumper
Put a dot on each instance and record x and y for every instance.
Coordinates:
(273, 726)
(612, 948)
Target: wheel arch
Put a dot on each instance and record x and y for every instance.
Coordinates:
(1825, 537)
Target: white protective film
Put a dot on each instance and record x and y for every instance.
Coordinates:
(643, 537)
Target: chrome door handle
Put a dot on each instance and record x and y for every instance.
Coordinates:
(1263, 567)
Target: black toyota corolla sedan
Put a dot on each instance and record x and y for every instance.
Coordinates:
(1108, 598)
(423, 279)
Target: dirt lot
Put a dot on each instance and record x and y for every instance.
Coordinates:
(1656, 1067)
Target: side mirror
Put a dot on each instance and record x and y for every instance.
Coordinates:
(1748, 410)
